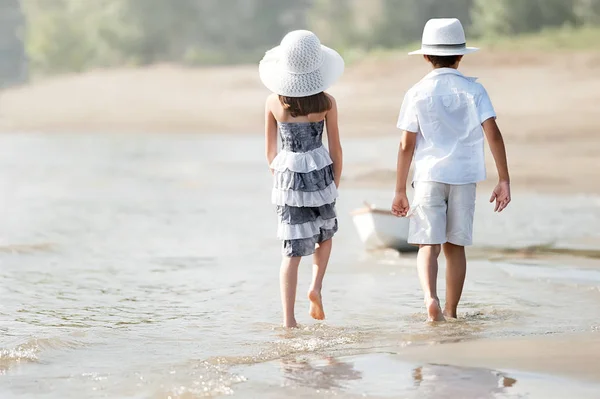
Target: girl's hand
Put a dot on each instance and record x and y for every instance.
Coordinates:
(400, 206)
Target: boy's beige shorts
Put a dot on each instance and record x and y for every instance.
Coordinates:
(442, 213)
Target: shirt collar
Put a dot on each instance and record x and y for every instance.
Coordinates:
(447, 71)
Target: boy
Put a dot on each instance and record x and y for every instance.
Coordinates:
(443, 119)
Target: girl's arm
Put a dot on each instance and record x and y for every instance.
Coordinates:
(270, 133)
(333, 141)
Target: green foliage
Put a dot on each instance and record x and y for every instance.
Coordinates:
(587, 12)
(68, 35)
(510, 17)
(402, 21)
(13, 62)
(549, 39)
(334, 20)
(76, 35)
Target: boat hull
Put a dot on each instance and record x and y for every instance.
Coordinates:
(380, 229)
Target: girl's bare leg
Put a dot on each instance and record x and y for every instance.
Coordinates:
(320, 261)
(288, 279)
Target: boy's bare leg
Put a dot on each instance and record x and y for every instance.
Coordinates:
(427, 264)
(288, 279)
(320, 261)
(456, 271)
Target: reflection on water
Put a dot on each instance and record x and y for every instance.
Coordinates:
(380, 375)
(435, 381)
(326, 374)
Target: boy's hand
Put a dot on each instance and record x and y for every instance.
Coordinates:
(501, 195)
(400, 206)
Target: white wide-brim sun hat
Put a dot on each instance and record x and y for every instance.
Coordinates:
(300, 66)
(444, 36)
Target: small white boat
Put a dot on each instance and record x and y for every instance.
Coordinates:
(379, 229)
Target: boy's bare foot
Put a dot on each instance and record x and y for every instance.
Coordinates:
(316, 305)
(450, 314)
(434, 310)
(290, 323)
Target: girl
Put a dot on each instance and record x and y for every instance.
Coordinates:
(306, 175)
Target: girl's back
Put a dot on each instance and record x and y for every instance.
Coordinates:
(306, 175)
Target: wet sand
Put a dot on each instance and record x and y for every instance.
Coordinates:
(525, 368)
(572, 355)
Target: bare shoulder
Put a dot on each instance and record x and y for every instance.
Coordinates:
(333, 109)
(273, 105)
(272, 99)
(332, 99)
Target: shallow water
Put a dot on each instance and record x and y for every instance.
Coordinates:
(147, 267)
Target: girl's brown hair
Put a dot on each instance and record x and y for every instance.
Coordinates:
(303, 106)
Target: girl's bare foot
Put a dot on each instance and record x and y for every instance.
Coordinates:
(316, 305)
(434, 310)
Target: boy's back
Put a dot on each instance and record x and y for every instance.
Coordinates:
(443, 119)
(446, 110)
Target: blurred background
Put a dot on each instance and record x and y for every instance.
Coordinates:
(138, 250)
(48, 37)
(188, 65)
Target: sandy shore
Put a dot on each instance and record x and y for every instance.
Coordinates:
(573, 356)
(547, 106)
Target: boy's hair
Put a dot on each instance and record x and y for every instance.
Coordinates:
(302, 106)
(443, 61)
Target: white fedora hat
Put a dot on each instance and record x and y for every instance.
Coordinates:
(300, 66)
(444, 36)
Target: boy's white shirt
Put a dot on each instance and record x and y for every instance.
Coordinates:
(446, 109)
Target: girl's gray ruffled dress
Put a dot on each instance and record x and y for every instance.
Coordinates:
(304, 190)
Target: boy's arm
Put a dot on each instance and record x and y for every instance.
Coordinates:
(400, 206)
(501, 193)
(408, 122)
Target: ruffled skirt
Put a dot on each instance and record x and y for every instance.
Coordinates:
(304, 193)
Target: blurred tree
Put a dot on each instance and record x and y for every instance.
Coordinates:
(13, 61)
(71, 35)
(334, 22)
(510, 17)
(75, 35)
(587, 11)
(243, 29)
(402, 21)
